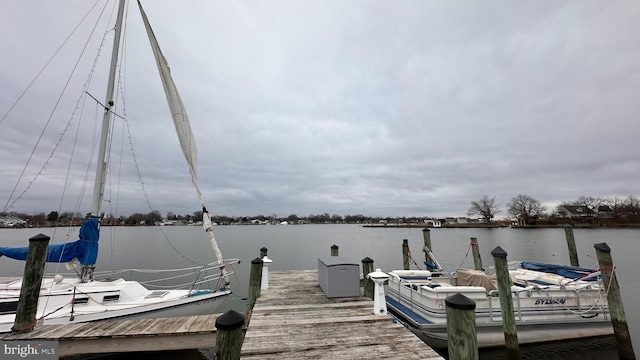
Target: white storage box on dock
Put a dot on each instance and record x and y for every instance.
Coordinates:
(338, 277)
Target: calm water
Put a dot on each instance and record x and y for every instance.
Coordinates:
(298, 247)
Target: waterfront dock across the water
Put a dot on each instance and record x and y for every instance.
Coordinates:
(292, 319)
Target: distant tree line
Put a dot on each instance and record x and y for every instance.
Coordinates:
(527, 210)
(524, 209)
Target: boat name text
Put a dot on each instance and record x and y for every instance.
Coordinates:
(551, 301)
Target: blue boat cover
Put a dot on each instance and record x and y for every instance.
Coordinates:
(85, 249)
(568, 271)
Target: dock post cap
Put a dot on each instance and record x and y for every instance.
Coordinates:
(266, 261)
(263, 249)
(378, 275)
(426, 230)
(230, 320)
(459, 301)
(602, 247)
(498, 252)
(568, 225)
(40, 237)
(367, 260)
(334, 246)
(256, 261)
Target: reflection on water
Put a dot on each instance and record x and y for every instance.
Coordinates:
(590, 349)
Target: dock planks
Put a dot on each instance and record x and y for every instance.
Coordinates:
(186, 332)
(293, 319)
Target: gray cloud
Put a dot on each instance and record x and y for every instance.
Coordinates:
(411, 108)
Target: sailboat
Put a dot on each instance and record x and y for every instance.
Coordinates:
(85, 298)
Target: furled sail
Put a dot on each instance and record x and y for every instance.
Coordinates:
(85, 249)
(183, 129)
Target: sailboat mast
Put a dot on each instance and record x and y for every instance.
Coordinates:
(101, 169)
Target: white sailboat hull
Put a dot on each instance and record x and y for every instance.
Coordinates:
(109, 300)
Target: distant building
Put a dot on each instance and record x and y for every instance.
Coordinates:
(575, 212)
(604, 211)
(433, 222)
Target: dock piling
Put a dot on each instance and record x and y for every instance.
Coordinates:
(506, 303)
(263, 252)
(334, 250)
(255, 280)
(229, 335)
(461, 328)
(405, 254)
(616, 310)
(477, 261)
(25, 319)
(367, 267)
(426, 236)
(571, 244)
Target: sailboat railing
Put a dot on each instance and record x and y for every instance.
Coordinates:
(203, 273)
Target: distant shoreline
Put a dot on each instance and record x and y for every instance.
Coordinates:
(495, 226)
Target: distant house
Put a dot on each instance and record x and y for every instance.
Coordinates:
(604, 211)
(433, 222)
(575, 212)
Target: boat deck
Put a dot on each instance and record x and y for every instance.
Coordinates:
(293, 319)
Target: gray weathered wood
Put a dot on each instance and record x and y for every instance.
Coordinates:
(461, 328)
(367, 267)
(405, 254)
(512, 347)
(229, 338)
(293, 319)
(188, 332)
(426, 236)
(255, 280)
(614, 300)
(571, 244)
(477, 261)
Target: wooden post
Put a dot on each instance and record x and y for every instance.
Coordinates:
(255, 280)
(426, 235)
(405, 254)
(367, 267)
(263, 252)
(334, 250)
(229, 336)
(571, 244)
(506, 303)
(616, 310)
(461, 328)
(477, 261)
(25, 319)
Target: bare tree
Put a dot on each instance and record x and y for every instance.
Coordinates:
(525, 208)
(588, 201)
(485, 207)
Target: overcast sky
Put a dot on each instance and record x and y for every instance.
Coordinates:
(381, 108)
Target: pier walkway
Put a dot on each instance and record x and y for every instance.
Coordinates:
(293, 319)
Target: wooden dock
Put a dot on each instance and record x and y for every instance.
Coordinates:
(293, 319)
(187, 332)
